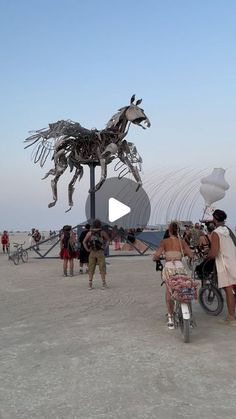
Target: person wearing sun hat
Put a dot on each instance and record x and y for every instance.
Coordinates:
(224, 251)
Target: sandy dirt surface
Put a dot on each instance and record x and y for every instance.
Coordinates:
(67, 352)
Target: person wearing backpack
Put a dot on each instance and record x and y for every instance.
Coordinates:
(95, 242)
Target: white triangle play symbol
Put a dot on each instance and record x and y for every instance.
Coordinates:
(116, 209)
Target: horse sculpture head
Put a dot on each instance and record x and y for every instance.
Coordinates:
(132, 113)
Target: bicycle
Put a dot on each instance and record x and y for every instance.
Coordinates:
(182, 310)
(20, 253)
(210, 297)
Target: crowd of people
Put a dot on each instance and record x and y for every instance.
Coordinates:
(93, 242)
(213, 239)
(92, 248)
(218, 247)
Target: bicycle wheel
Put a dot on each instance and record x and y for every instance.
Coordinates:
(211, 300)
(184, 326)
(186, 330)
(15, 258)
(24, 256)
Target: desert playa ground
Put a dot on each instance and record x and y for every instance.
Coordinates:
(67, 352)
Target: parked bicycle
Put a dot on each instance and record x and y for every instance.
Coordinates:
(210, 296)
(20, 253)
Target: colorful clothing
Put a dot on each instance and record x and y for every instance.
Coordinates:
(67, 248)
(5, 239)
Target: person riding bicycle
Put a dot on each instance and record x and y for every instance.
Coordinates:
(174, 248)
(204, 243)
(207, 265)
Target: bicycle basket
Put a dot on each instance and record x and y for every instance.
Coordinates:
(184, 295)
(182, 287)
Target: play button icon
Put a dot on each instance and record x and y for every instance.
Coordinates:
(117, 209)
(119, 202)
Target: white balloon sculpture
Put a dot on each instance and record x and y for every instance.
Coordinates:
(213, 188)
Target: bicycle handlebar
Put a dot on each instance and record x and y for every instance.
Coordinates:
(18, 244)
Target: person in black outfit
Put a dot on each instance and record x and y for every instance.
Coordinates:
(84, 255)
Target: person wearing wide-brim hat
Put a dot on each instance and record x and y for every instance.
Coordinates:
(224, 251)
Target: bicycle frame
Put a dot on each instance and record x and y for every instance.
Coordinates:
(20, 252)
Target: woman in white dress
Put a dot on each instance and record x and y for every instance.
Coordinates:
(224, 251)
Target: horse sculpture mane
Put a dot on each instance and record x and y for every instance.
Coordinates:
(73, 146)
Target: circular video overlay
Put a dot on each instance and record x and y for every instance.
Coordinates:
(118, 202)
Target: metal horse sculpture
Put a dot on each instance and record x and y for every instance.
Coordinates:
(73, 146)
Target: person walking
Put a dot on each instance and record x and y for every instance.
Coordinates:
(5, 242)
(68, 252)
(224, 251)
(83, 254)
(95, 242)
(37, 237)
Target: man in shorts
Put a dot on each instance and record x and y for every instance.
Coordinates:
(95, 242)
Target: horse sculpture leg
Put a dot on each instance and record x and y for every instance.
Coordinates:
(59, 171)
(51, 172)
(103, 177)
(132, 169)
(54, 191)
(71, 187)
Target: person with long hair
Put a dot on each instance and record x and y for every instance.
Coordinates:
(173, 248)
(95, 242)
(67, 253)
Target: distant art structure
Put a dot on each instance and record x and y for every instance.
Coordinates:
(72, 145)
(213, 189)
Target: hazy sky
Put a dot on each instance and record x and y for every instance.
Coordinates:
(82, 60)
